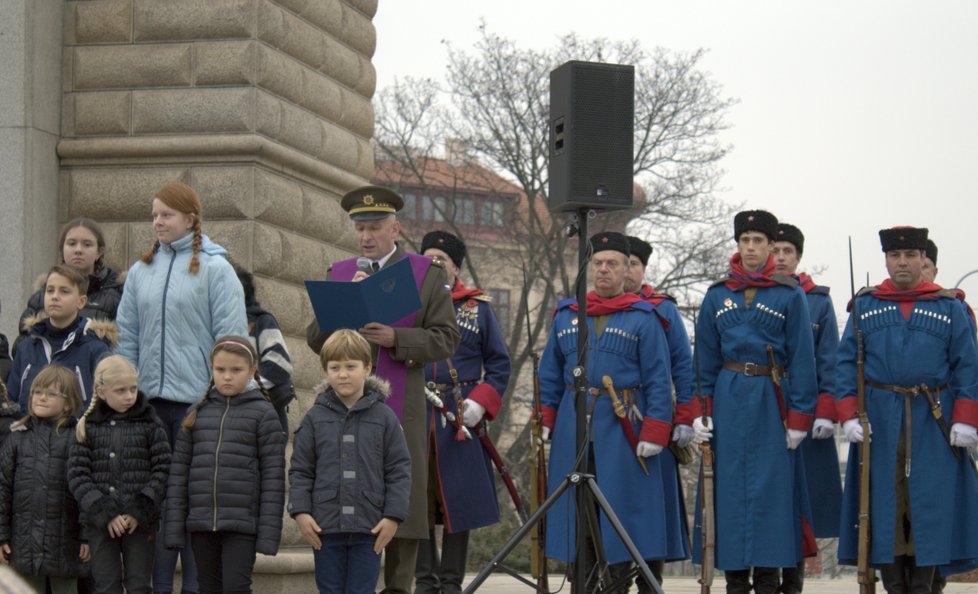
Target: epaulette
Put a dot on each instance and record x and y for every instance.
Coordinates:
(784, 279)
(819, 290)
(949, 294)
(483, 297)
(643, 306)
(565, 303)
(862, 292)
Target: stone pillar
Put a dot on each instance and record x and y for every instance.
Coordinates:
(30, 120)
(262, 106)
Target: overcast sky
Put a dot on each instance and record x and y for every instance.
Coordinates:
(853, 116)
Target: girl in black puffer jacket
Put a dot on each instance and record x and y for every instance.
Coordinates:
(39, 530)
(227, 475)
(118, 473)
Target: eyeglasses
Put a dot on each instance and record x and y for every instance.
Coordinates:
(49, 394)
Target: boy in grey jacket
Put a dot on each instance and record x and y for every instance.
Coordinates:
(351, 473)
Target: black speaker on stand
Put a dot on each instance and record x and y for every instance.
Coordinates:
(592, 116)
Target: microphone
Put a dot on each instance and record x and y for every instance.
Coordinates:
(363, 265)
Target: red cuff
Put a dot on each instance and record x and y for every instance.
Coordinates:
(799, 420)
(685, 413)
(825, 408)
(549, 416)
(965, 411)
(846, 408)
(489, 398)
(655, 431)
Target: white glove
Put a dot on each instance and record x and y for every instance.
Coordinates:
(473, 413)
(683, 435)
(647, 448)
(545, 434)
(854, 431)
(964, 435)
(702, 432)
(793, 437)
(823, 429)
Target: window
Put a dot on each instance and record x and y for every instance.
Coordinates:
(434, 208)
(465, 211)
(500, 305)
(492, 212)
(410, 210)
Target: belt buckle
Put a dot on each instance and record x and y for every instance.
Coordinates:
(750, 369)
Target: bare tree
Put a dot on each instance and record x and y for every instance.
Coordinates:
(496, 105)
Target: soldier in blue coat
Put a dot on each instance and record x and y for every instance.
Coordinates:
(919, 349)
(627, 343)
(820, 456)
(461, 486)
(756, 425)
(928, 272)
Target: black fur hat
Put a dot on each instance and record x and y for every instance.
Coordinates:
(756, 220)
(640, 248)
(446, 242)
(903, 238)
(610, 240)
(931, 251)
(792, 235)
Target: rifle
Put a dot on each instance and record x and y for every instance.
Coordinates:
(866, 576)
(706, 496)
(538, 484)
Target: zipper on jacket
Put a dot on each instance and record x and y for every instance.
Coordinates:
(23, 378)
(81, 385)
(166, 288)
(217, 456)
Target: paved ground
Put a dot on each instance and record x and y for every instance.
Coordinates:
(504, 584)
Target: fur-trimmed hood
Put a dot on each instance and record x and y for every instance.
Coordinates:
(373, 384)
(105, 330)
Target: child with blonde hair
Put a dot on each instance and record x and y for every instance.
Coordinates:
(227, 476)
(351, 471)
(39, 529)
(118, 472)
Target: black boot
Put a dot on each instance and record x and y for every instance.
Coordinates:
(793, 578)
(425, 574)
(618, 571)
(656, 567)
(937, 586)
(766, 580)
(894, 576)
(454, 551)
(738, 582)
(921, 579)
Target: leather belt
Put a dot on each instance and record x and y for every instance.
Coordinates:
(908, 393)
(909, 390)
(443, 387)
(753, 369)
(602, 392)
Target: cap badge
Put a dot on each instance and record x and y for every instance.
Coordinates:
(604, 240)
(750, 217)
(368, 199)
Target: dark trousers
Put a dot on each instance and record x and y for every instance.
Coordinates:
(347, 564)
(165, 564)
(124, 561)
(225, 561)
(793, 578)
(441, 573)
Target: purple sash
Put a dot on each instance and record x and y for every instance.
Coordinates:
(393, 371)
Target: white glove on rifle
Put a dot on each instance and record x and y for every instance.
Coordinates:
(647, 448)
(545, 434)
(794, 437)
(702, 432)
(473, 413)
(964, 435)
(683, 435)
(854, 431)
(823, 429)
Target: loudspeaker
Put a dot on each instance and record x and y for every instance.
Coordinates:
(592, 120)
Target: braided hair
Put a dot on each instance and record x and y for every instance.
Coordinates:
(108, 371)
(184, 199)
(236, 345)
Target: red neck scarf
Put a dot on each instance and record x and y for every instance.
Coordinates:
(647, 293)
(805, 282)
(889, 292)
(599, 306)
(740, 278)
(460, 292)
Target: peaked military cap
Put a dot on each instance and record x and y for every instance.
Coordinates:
(368, 203)
(609, 240)
(640, 248)
(792, 235)
(756, 220)
(446, 242)
(903, 238)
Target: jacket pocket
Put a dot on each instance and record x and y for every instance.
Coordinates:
(324, 495)
(375, 498)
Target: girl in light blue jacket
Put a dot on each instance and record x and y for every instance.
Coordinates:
(180, 296)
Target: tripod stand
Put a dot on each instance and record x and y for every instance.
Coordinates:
(587, 493)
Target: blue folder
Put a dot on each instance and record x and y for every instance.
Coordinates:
(386, 296)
